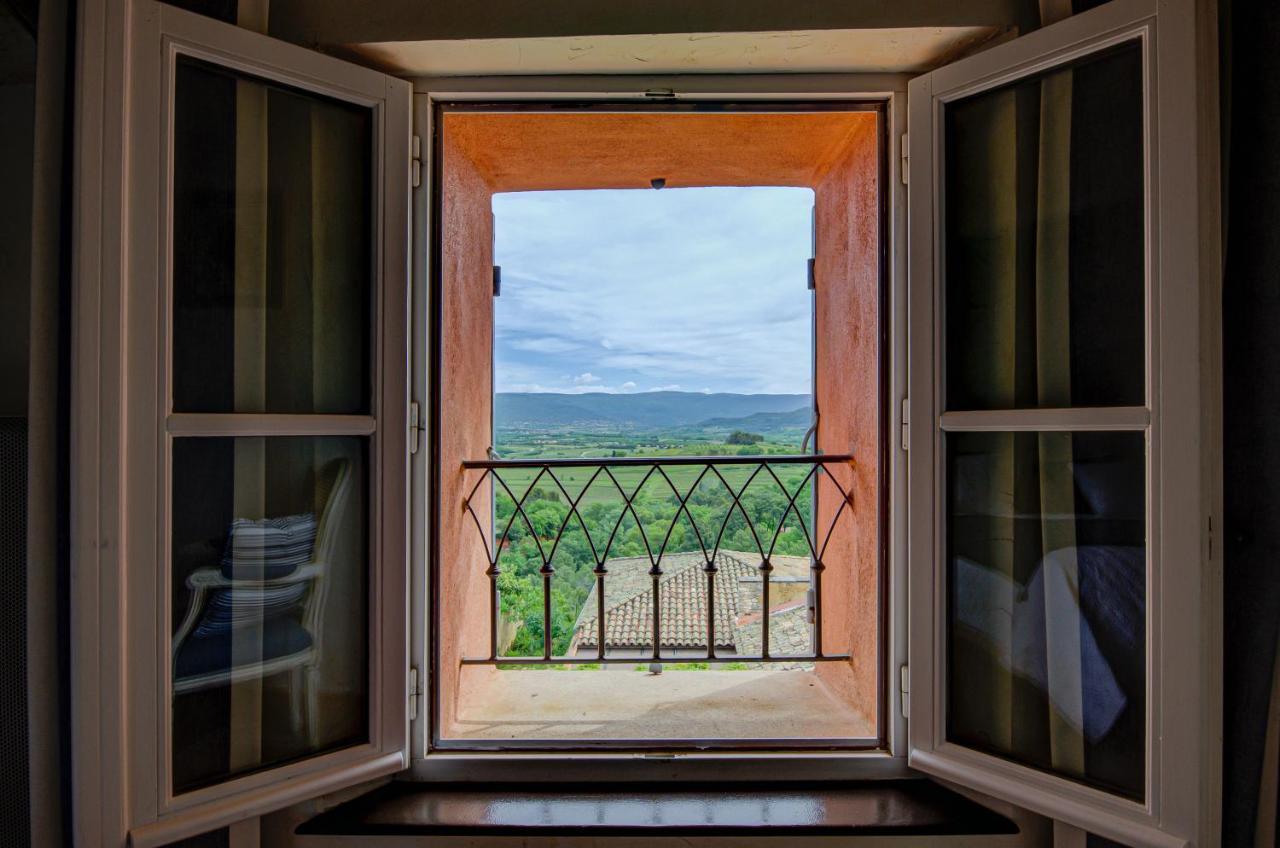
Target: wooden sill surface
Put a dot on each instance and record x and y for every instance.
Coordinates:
(908, 807)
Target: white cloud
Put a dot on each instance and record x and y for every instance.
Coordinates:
(539, 388)
(545, 344)
(699, 287)
(672, 387)
(585, 379)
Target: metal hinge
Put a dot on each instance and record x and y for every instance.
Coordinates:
(415, 426)
(497, 269)
(813, 248)
(904, 689)
(906, 424)
(906, 161)
(415, 163)
(413, 693)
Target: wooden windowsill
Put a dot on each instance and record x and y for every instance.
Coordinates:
(909, 807)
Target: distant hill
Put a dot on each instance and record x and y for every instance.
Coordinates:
(763, 422)
(522, 410)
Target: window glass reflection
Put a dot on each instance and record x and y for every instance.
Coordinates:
(272, 247)
(1045, 243)
(269, 606)
(1046, 579)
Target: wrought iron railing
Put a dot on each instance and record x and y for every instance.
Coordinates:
(809, 477)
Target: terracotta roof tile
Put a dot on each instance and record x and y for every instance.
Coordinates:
(682, 593)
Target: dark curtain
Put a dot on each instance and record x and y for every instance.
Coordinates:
(1250, 63)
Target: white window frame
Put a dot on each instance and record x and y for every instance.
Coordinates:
(122, 427)
(1180, 418)
(890, 89)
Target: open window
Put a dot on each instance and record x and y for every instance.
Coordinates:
(634, 566)
(263, 466)
(245, 439)
(1060, 507)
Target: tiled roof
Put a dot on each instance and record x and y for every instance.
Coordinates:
(790, 633)
(682, 594)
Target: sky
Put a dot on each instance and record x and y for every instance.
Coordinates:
(687, 289)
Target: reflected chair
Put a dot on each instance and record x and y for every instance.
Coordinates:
(249, 620)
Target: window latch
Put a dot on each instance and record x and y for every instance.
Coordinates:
(415, 426)
(904, 689)
(413, 693)
(415, 162)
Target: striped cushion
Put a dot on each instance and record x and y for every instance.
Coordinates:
(230, 608)
(260, 549)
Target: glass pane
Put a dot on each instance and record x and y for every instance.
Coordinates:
(1044, 251)
(270, 613)
(1046, 579)
(272, 247)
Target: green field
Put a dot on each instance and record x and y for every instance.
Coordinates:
(682, 478)
(602, 490)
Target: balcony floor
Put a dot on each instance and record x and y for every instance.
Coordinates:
(627, 704)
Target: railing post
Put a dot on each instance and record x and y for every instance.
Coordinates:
(817, 568)
(495, 610)
(766, 568)
(547, 571)
(656, 573)
(601, 571)
(711, 570)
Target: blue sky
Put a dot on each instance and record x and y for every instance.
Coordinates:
(695, 289)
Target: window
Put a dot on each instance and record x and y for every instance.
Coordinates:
(1058, 518)
(1050, 523)
(266, 399)
(260, 534)
(721, 586)
(269, 554)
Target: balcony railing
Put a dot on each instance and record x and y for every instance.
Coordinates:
(797, 478)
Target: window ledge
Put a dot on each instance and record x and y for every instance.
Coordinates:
(912, 807)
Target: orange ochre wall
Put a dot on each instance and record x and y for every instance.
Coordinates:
(466, 393)
(848, 389)
(527, 151)
(836, 154)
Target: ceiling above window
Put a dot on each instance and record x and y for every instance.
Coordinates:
(879, 50)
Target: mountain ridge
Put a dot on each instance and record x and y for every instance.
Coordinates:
(798, 418)
(638, 409)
